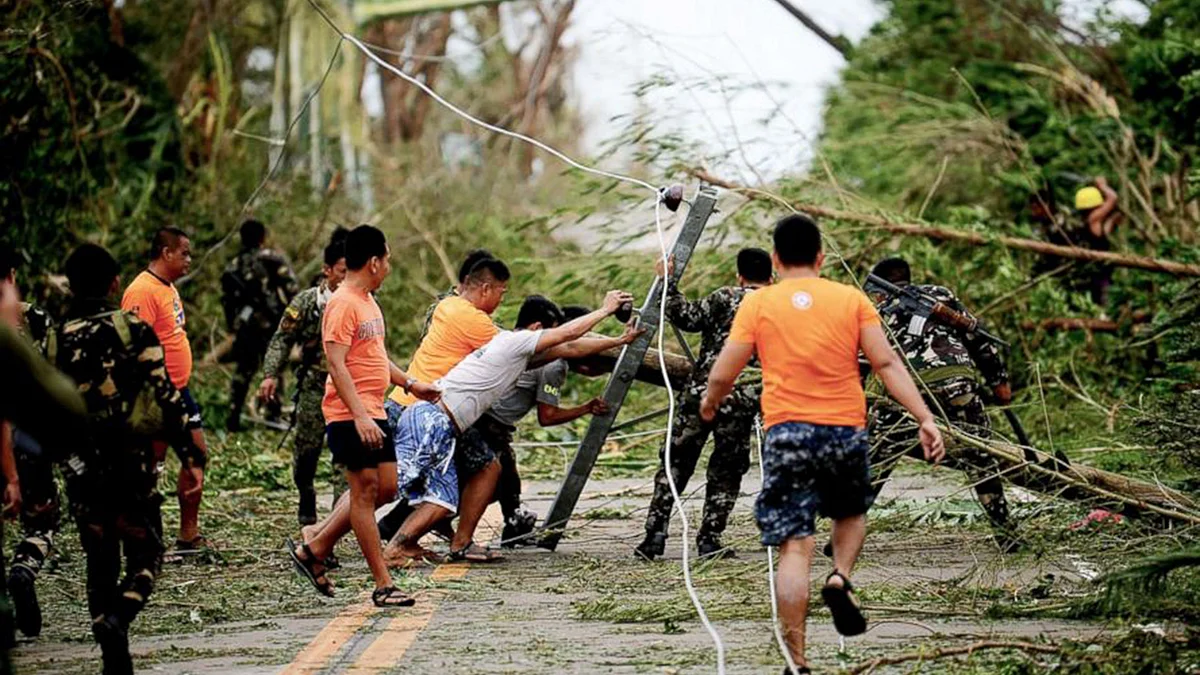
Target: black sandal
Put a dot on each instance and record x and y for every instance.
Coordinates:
(392, 597)
(307, 567)
(475, 553)
(800, 670)
(332, 562)
(847, 616)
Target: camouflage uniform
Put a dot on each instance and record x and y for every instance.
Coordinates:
(301, 325)
(713, 317)
(946, 362)
(39, 495)
(256, 287)
(112, 475)
(428, 321)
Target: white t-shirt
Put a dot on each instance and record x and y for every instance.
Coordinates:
(487, 375)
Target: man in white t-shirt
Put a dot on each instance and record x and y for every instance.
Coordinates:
(427, 435)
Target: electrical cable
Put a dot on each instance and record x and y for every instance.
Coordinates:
(662, 364)
(658, 194)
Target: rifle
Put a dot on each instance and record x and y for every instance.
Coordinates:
(923, 307)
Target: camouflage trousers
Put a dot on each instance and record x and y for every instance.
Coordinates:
(39, 504)
(894, 435)
(310, 436)
(130, 528)
(730, 459)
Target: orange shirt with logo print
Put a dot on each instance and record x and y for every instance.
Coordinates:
(457, 329)
(806, 334)
(353, 318)
(156, 301)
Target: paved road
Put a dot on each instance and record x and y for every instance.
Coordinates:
(532, 613)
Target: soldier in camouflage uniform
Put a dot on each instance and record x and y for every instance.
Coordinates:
(712, 317)
(39, 491)
(117, 362)
(301, 325)
(256, 287)
(946, 362)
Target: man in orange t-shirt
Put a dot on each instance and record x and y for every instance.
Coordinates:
(460, 324)
(360, 372)
(807, 333)
(152, 296)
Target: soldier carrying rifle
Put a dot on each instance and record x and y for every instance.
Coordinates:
(947, 349)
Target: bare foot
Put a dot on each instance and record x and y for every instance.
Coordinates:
(310, 532)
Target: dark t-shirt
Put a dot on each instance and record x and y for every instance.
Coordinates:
(537, 385)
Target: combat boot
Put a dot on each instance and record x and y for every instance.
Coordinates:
(113, 638)
(307, 511)
(23, 592)
(710, 546)
(516, 526)
(653, 546)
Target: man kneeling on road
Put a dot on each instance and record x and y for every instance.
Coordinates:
(807, 332)
(430, 436)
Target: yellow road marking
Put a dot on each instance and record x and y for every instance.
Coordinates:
(330, 640)
(401, 632)
(390, 644)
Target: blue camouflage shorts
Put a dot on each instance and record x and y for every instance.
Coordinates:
(811, 469)
(425, 439)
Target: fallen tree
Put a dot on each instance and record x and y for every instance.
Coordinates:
(967, 237)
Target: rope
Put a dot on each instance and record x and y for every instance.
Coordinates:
(618, 437)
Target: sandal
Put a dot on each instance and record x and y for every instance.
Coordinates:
(847, 616)
(392, 597)
(185, 549)
(800, 670)
(475, 553)
(332, 563)
(307, 567)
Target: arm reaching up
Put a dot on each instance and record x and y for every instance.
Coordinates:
(577, 328)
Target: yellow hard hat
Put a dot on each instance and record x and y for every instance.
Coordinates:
(1088, 198)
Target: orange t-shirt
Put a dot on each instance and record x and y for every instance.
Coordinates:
(156, 301)
(353, 318)
(457, 329)
(806, 334)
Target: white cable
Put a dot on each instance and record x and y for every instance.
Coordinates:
(687, 575)
(783, 648)
(662, 364)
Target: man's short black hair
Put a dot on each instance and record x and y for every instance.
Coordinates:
(334, 252)
(895, 270)
(253, 233)
(488, 269)
(539, 309)
(797, 240)
(468, 263)
(572, 312)
(9, 260)
(754, 265)
(166, 238)
(90, 271)
(363, 243)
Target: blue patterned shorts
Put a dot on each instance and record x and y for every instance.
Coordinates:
(811, 469)
(425, 439)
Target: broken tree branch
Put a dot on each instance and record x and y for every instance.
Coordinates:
(966, 237)
(943, 652)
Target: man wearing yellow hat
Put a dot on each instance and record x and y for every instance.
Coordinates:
(1097, 208)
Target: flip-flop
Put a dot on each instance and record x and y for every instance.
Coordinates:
(847, 616)
(305, 566)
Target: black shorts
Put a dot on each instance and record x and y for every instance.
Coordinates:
(194, 421)
(472, 454)
(349, 452)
